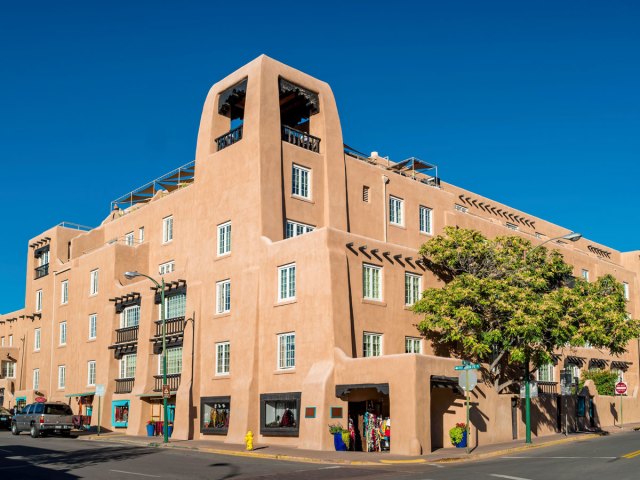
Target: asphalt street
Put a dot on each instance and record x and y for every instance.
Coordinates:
(613, 457)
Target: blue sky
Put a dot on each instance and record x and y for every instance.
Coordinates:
(534, 104)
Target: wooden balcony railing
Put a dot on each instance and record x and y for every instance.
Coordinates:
(229, 138)
(175, 326)
(300, 139)
(547, 388)
(127, 334)
(124, 385)
(42, 271)
(173, 380)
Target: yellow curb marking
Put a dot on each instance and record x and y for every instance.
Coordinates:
(632, 454)
(415, 460)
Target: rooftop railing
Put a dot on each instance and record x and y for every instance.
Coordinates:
(42, 271)
(300, 139)
(229, 138)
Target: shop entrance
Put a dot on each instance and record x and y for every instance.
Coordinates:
(368, 416)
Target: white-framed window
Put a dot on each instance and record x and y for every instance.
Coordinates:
(62, 376)
(9, 369)
(43, 259)
(93, 326)
(371, 282)
(37, 339)
(224, 239)
(461, 208)
(625, 287)
(511, 226)
(36, 378)
(167, 229)
(412, 288)
(575, 372)
(287, 282)
(129, 239)
(175, 306)
(167, 267)
(174, 361)
(396, 210)
(141, 235)
(91, 373)
(585, 274)
(545, 373)
(63, 333)
(130, 316)
(426, 220)
(222, 358)
(412, 345)
(11, 340)
(286, 351)
(223, 296)
(301, 181)
(39, 301)
(93, 282)
(296, 228)
(128, 365)
(64, 292)
(372, 344)
(620, 374)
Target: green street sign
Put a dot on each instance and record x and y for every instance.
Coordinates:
(459, 367)
(467, 366)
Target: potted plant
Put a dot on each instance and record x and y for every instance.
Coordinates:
(458, 435)
(170, 428)
(151, 429)
(339, 435)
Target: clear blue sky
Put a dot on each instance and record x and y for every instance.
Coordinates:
(535, 104)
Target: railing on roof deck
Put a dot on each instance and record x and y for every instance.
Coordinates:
(300, 139)
(74, 226)
(229, 138)
(173, 380)
(42, 271)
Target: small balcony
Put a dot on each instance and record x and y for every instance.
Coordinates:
(124, 385)
(300, 139)
(42, 271)
(229, 138)
(127, 334)
(173, 380)
(547, 388)
(175, 327)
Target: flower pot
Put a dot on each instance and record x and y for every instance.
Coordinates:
(338, 443)
(463, 442)
(170, 429)
(151, 430)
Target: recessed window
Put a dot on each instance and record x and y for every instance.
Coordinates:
(625, 287)
(167, 267)
(175, 306)
(64, 292)
(167, 229)
(224, 239)
(396, 214)
(372, 344)
(129, 239)
(223, 296)
(512, 226)
(63, 333)
(412, 288)
(130, 316)
(62, 376)
(36, 339)
(36, 378)
(91, 373)
(371, 282)
(286, 351)
(93, 282)
(215, 415)
(141, 234)
(279, 414)
(545, 373)
(174, 361)
(11, 340)
(93, 326)
(585, 274)
(222, 358)
(39, 301)
(287, 282)
(412, 345)
(301, 182)
(128, 365)
(365, 194)
(425, 214)
(296, 228)
(8, 369)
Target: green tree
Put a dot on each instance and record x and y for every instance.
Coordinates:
(505, 302)
(604, 380)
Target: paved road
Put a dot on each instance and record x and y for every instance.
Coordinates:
(55, 458)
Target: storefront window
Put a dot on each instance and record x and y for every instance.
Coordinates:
(280, 414)
(120, 413)
(215, 415)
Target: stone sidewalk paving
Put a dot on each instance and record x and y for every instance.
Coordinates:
(443, 455)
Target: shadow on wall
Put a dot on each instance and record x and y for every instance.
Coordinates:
(544, 414)
(443, 402)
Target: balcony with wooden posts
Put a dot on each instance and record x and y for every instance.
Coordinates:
(124, 385)
(173, 380)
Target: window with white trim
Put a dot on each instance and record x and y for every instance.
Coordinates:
(93, 282)
(223, 296)
(412, 345)
(128, 365)
(39, 301)
(91, 373)
(545, 373)
(167, 267)
(175, 306)
(286, 351)
(585, 274)
(412, 288)
(174, 361)
(63, 333)
(129, 239)
(620, 373)
(372, 344)
(511, 226)
(426, 214)
(625, 287)
(62, 376)
(93, 326)
(296, 228)
(36, 378)
(36, 339)
(287, 282)
(222, 358)
(396, 210)
(301, 182)
(64, 292)
(224, 238)
(9, 369)
(371, 282)
(141, 235)
(11, 340)
(130, 316)
(167, 229)
(575, 372)
(461, 208)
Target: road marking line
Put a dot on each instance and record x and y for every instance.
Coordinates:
(134, 473)
(437, 465)
(507, 476)
(3, 450)
(632, 454)
(558, 458)
(17, 457)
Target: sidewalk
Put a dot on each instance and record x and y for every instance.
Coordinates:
(444, 455)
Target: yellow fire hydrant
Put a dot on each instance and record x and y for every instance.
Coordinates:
(248, 439)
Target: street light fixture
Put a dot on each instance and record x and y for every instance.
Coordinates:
(165, 423)
(572, 237)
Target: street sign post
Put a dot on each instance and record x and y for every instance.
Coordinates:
(621, 389)
(100, 389)
(467, 382)
(533, 389)
(166, 391)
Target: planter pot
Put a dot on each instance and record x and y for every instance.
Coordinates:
(151, 430)
(463, 442)
(170, 429)
(338, 443)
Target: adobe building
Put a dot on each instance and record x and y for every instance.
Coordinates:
(290, 263)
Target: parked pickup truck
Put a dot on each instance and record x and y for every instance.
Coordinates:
(42, 418)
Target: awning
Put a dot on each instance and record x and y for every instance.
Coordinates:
(440, 381)
(83, 394)
(620, 364)
(344, 390)
(598, 363)
(154, 394)
(574, 360)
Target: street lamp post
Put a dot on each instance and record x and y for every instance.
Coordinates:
(165, 423)
(572, 237)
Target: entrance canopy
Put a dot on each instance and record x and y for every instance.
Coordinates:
(440, 381)
(83, 394)
(345, 390)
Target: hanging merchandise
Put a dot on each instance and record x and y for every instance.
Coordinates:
(372, 432)
(352, 435)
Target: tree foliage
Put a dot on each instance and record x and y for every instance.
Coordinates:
(505, 301)
(604, 380)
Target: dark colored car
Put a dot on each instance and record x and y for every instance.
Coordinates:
(5, 418)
